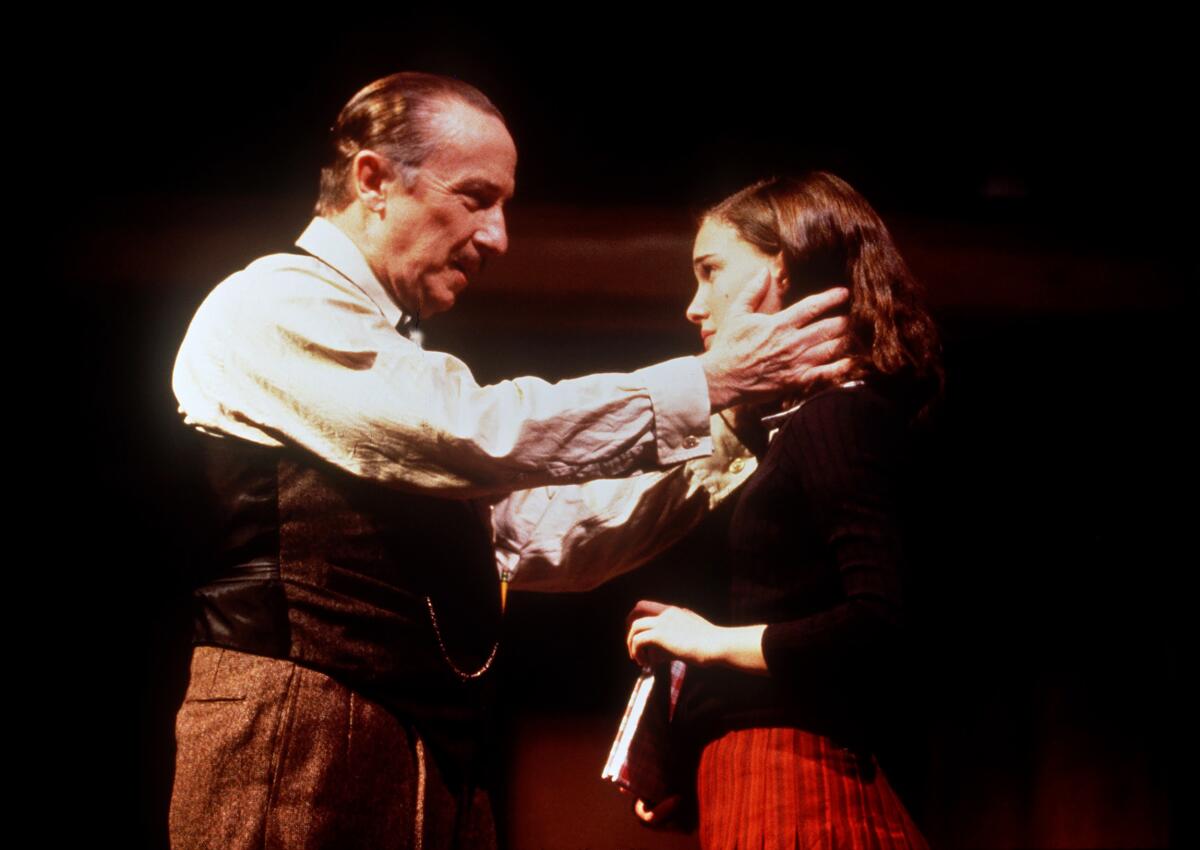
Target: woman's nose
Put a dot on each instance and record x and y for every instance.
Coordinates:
(697, 311)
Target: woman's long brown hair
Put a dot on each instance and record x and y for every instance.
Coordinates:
(830, 236)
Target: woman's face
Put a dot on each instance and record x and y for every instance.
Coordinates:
(724, 263)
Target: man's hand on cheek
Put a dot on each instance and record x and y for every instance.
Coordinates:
(756, 357)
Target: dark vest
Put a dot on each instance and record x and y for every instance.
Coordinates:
(339, 574)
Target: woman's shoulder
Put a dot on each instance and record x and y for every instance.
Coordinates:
(866, 402)
(848, 422)
(843, 443)
(855, 393)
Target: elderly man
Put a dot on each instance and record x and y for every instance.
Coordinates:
(348, 621)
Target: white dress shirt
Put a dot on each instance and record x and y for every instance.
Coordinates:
(574, 537)
(304, 351)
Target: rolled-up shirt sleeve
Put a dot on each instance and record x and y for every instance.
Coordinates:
(284, 353)
(573, 538)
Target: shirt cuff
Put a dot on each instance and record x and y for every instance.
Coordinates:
(679, 395)
(727, 468)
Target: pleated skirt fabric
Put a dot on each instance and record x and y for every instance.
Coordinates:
(787, 789)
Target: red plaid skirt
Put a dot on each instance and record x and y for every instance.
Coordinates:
(787, 789)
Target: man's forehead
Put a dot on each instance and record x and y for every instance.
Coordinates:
(469, 144)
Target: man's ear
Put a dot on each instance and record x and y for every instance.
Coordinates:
(372, 177)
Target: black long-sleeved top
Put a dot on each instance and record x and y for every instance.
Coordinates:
(816, 554)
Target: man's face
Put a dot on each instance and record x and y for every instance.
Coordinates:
(441, 227)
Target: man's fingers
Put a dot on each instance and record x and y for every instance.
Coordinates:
(752, 293)
(823, 330)
(829, 374)
(807, 309)
(821, 353)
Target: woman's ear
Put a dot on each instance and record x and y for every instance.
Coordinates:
(780, 277)
(775, 297)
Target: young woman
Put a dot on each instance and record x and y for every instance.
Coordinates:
(779, 696)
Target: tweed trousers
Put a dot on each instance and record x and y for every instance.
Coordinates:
(271, 754)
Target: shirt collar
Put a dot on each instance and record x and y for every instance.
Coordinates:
(775, 421)
(329, 244)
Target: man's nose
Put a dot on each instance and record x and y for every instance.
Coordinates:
(493, 234)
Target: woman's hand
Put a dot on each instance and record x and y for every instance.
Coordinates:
(659, 632)
(659, 814)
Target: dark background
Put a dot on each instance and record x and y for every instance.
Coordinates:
(1036, 174)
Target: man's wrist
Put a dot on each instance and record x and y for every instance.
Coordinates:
(721, 391)
(681, 414)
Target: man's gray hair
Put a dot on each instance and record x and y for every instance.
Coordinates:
(392, 116)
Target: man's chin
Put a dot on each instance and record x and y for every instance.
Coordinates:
(439, 302)
(443, 296)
